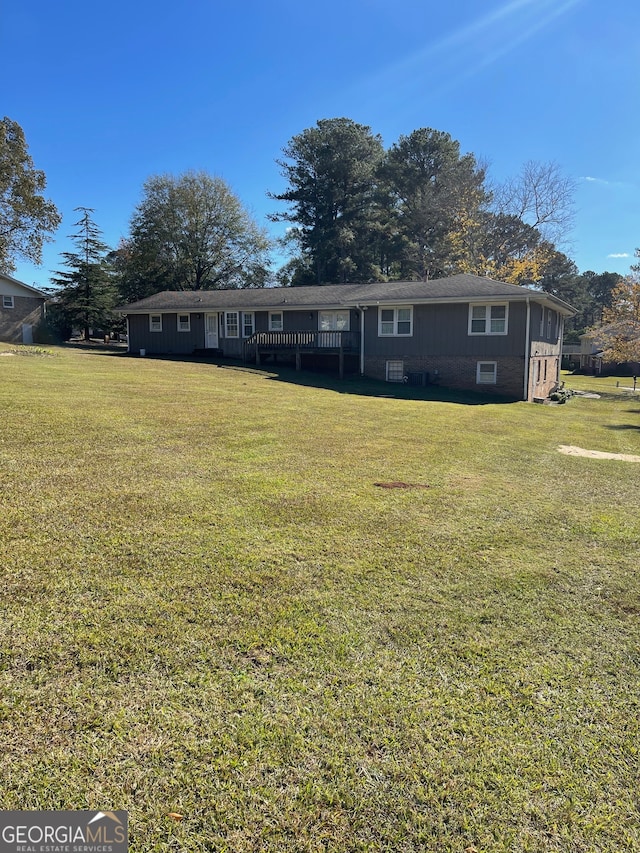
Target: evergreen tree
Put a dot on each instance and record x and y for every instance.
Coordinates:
(331, 175)
(437, 200)
(86, 296)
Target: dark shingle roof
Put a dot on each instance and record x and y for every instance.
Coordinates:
(457, 287)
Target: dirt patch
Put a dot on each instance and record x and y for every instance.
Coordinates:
(399, 485)
(569, 450)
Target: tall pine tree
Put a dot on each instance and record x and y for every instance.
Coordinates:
(87, 295)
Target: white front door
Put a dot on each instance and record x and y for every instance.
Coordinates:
(211, 331)
(329, 322)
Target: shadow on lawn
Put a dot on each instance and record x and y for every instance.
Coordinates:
(364, 387)
(97, 347)
(351, 384)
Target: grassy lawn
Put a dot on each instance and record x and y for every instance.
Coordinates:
(601, 384)
(209, 608)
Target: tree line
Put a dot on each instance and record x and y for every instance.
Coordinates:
(354, 211)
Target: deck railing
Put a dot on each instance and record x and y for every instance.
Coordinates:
(304, 341)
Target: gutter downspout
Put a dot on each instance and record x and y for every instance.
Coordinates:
(128, 335)
(527, 352)
(361, 310)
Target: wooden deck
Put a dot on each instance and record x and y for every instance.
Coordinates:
(267, 344)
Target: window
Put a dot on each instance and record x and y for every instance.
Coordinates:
(231, 324)
(395, 371)
(155, 322)
(542, 322)
(7, 302)
(248, 324)
(395, 322)
(333, 321)
(488, 319)
(275, 321)
(548, 322)
(184, 322)
(486, 372)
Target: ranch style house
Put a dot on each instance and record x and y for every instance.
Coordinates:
(465, 331)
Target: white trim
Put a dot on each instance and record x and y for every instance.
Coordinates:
(480, 373)
(487, 319)
(394, 321)
(276, 327)
(152, 324)
(245, 315)
(228, 315)
(181, 328)
(8, 301)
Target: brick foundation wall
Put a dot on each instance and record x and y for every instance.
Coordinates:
(459, 372)
(544, 376)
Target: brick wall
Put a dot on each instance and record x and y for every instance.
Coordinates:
(544, 375)
(26, 309)
(459, 372)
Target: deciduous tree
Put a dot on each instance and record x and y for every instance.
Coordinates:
(191, 232)
(619, 334)
(542, 197)
(27, 218)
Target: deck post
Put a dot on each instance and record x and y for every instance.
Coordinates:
(257, 356)
(298, 359)
(341, 362)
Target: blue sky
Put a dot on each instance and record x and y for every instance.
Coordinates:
(109, 94)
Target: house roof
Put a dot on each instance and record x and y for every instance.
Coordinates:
(32, 291)
(457, 288)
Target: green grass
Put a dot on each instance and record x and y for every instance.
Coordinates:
(210, 608)
(604, 384)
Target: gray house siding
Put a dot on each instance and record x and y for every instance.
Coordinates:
(169, 341)
(465, 331)
(444, 330)
(442, 347)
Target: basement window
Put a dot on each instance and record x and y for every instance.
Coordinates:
(395, 371)
(486, 372)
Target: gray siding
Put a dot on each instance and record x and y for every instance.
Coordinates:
(442, 330)
(169, 341)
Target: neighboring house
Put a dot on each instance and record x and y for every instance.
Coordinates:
(464, 332)
(21, 310)
(593, 358)
(571, 356)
